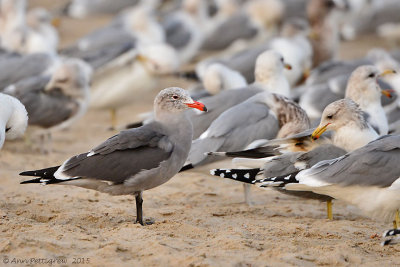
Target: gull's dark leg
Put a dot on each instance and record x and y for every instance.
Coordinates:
(139, 210)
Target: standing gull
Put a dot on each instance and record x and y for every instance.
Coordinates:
(13, 118)
(134, 160)
(350, 131)
(367, 178)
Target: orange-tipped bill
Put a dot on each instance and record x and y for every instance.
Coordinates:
(197, 105)
(320, 130)
(288, 66)
(56, 22)
(387, 93)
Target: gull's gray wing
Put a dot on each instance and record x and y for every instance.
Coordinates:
(376, 164)
(236, 27)
(102, 45)
(122, 156)
(18, 67)
(45, 108)
(234, 129)
(217, 104)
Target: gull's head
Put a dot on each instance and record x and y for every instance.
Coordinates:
(174, 100)
(362, 86)
(72, 76)
(18, 117)
(159, 58)
(270, 64)
(339, 114)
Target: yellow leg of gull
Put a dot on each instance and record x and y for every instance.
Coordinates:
(329, 209)
(397, 220)
(113, 113)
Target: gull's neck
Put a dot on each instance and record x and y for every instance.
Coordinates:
(273, 82)
(352, 136)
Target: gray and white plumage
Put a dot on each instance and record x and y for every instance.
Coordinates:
(367, 178)
(269, 77)
(263, 116)
(237, 27)
(55, 100)
(16, 67)
(84, 8)
(134, 160)
(13, 118)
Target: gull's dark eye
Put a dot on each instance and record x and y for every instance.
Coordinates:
(372, 75)
(329, 117)
(175, 97)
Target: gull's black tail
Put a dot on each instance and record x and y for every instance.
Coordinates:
(189, 75)
(187, 167)
(241, 175)
(45, 176)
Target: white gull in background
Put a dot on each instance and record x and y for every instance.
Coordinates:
(13, 118)
(18, 36)
(134, 160)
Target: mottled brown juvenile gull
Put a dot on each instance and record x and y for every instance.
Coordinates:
(13, 118)
(134, 160)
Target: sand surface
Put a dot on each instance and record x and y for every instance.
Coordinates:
(200, 220)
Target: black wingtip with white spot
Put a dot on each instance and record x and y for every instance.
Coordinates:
(279, 181)
(394, 233)
(241, 175)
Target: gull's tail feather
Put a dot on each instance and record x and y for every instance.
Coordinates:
(279, 181)
(254, 153)
(187, 167)
(45, 176)
(242, 175)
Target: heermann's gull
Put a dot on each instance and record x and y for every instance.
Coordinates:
(58, 100)
(133, 160)
(269, 77)
(13, 118)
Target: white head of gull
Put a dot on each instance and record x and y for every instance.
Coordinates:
(269, 73)
(13, 118)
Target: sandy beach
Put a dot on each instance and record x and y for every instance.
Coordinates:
(201, 220)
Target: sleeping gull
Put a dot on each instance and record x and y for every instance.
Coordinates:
(134, 160)
(13, 118)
